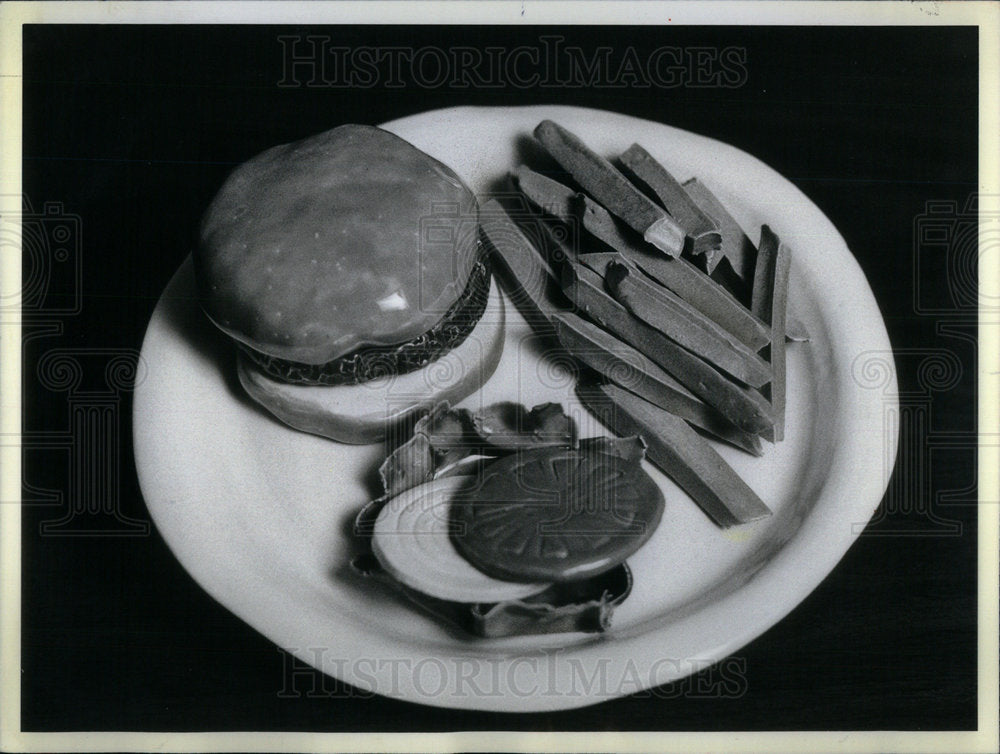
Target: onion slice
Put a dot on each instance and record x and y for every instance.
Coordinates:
(412, 543)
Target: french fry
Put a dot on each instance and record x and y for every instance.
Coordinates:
(736, 246)
(679, 452)
(531, 278)
(700, 228)
(608, 186)
(769, 302)
(662, 310)
(746, 408)
(658, 307)
(550, 196)
(617, 361)
(681, 277)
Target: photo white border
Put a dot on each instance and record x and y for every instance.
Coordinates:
(985, 15)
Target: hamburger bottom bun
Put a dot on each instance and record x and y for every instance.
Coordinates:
(367, 412)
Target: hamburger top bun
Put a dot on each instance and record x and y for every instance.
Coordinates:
(350, 238)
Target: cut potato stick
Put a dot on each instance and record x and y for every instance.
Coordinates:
(617, 361)
(676, 319)
(681, 277)
(550, 196)
(599, 261)
(680, 452)
(763, 275)
(608, 186)
(701, 229)
(531, 276)
(769, 299)
(658, 307)
(746, 408)
(736, 246)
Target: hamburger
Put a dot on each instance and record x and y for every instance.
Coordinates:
(348, 270)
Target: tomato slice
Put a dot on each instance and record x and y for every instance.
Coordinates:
(556, 514)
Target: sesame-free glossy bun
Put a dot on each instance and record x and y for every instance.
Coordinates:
(349, 238)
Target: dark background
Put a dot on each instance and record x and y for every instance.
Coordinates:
(133, 128)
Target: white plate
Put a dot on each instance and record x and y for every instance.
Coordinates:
(260, 515)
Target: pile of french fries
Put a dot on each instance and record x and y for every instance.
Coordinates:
(652, 286)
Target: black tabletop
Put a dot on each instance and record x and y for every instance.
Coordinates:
(129, 131)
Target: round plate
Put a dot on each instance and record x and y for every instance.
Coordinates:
(260, 515)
